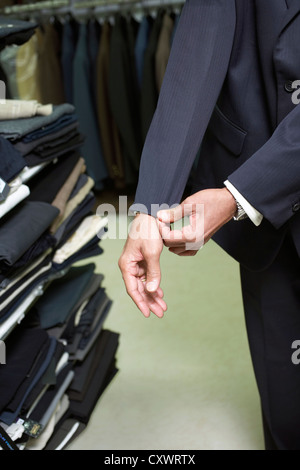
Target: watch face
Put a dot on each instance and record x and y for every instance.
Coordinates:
(241, 216)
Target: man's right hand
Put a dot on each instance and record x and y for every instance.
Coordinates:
(140, 267)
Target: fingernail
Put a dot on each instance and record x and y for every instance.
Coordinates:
(162, 216)
(151, 286)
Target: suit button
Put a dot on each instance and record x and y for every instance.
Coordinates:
(296, 207)
(288, 86)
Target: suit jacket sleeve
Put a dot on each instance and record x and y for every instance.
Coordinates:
(270, 179)
(194, 77)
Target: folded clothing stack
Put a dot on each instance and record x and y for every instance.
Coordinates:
(60, 358)
(46, 399)
(52, 312)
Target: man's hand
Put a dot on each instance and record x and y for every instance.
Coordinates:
(208, 211)
(140, 267)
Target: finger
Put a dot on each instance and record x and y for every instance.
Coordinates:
(172, 237)
(155, 307)
(132, 288)
(160, 292)
(171, 215)
(154, 300)
(183, 251)
(160, 302)
(153, 297)
(188, 253)
(153, 275)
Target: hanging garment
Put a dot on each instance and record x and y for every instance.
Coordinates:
(123, 93)
(27, 71)
(50, 73)
(94, 33)
(163, 49)
(8, 57)
(91, 150)
(108, 130)
(141, 45)
(68, 47)
(149, 93)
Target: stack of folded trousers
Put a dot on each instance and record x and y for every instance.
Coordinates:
(60, 357)
(41, 239)
(43, 138)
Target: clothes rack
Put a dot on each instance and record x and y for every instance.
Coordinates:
(101, 6)
(119, 100)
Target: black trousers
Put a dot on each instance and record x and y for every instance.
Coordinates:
(272, 310)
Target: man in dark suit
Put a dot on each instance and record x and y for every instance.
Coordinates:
(229, 89)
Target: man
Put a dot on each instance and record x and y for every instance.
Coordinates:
(229, 89)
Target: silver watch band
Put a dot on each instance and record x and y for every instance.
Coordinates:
(240, 213)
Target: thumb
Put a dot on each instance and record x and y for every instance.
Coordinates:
(153, 275)
(171, 215)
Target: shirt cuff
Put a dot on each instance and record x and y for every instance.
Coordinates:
(255, 216)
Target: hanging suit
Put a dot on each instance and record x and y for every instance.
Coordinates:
(228, 89)
(149, 92)
(108, 129)
(163, 49)
(83, 100)
(123, 93)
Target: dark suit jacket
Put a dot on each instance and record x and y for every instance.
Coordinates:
(228, 89)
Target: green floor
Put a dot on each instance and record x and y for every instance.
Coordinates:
(186, 381)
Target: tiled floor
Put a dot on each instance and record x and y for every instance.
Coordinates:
(186, 381)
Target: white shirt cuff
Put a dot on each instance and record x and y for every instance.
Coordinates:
(255, 216)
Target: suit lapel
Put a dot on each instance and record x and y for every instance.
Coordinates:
(292, 11)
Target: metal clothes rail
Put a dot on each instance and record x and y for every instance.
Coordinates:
(102, 6)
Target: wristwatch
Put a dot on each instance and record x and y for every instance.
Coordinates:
(240, 213)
